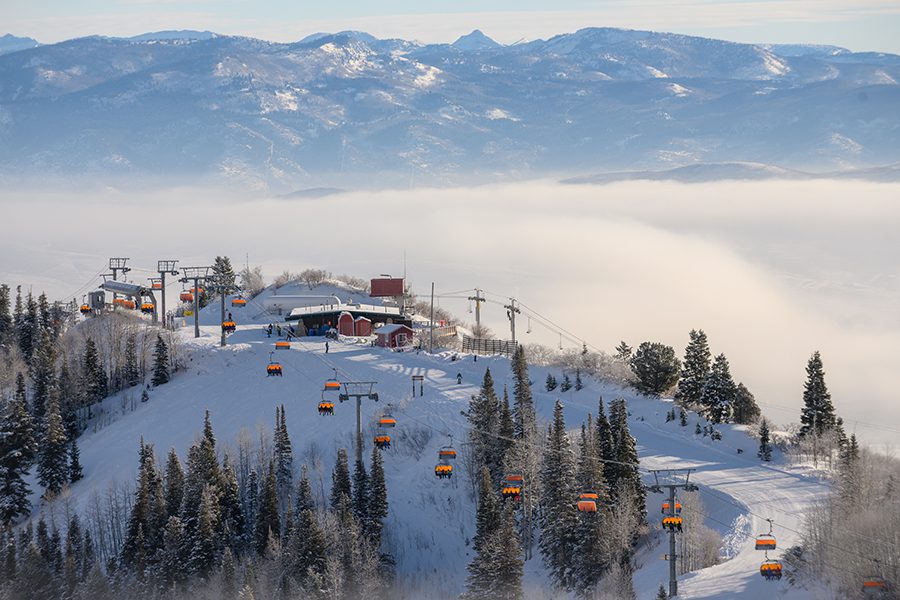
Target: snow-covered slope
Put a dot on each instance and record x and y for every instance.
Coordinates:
(431, 521)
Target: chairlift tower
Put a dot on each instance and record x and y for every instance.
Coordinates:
(478, 298)
(511, 311)
(222, 290)
(358, 390)
(195, 274)
(165, 267)
(672, 476)
(115, 265)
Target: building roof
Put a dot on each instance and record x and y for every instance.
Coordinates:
(325, 309)
(389, 329)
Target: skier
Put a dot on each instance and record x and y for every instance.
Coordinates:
(229, 316)
(326, 347)
(278, 329)
(269, 330)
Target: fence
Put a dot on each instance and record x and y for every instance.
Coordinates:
(485, 346)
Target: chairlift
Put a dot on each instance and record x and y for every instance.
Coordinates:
(282, 345)
(332, 385)
(387, 420)
(383, 441)
(766, 541)
(273, 368)
(238, 302)
(587, 502)
(512, 487)
(673, 523)
(874, 587)
(85, 308)
(770, 570)
(326, 407)
(147, 308)
(447, 453)
(229, 326)
(666, 507)
(186, 297)
(443, 470)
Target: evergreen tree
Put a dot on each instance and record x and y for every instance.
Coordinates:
(26, 324)
(251, 507)
(694, 370)
(6, 322)
(818, 412)
(228, 574)
(223, 274)
(625, 470)
(682, 418)
(559, 519)
(132, 373)
(160, 363)
(53, 454)
(141, 534)
(174, 484)
(591, 556)
(307, 549)
(203, 556)
(305, 500)
(506, 429)
(523, 400)
(579, 385)
(378, 500)
(487, 521)
(69, 400)
(340, 479)
(606, 449)
(93, 374)
(655, 367)
(284, 460)
(483, 413)
(505, 558)
(75, 470)
(661, 593)
(566, 384)
(268, 523)
(551, 383)
(360, 497)
(745, 412)
(697, 430)
(719, 392)
(232, 523)
(17, 450)
(43, 376)
(765, 448)
(623, 351)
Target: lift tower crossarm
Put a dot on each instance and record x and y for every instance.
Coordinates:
(672, 476)
(196, 274)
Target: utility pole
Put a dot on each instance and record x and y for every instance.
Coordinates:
(116, 265)
(511, 311)
(478, 298)
(358, 390)
(195, 274)
(165, 267)
(672, 475)
(431, 323)
(221, 290)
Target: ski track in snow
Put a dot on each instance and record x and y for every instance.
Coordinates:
(431, 522)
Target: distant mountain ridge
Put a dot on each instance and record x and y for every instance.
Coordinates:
(345, 110)
(11, 43)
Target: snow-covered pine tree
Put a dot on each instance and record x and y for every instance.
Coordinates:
(745, 412)
(506, 429)
(579, 385)
(53, 451)
(606, 448)
(719, 391)
(483, 415)
(223, 274)
(306, 552)
(505, 558)
(627, 465)
(661, 593)
(251, 507)
(173, 558)
(17, 450)
(378, 500)
(623, 351)
(551, 383)
(174, 484)
(305, 500)
(131, 373)
(340, 480)
(25, 325)
(160, 362)
(592, 558)
(559, 518)
(76, 472)
(268, 523)
(694, 370)
(817, 413)
(479, 583)
(523, 400)
(6, 322)
(284, 460)
(765, 448)
(43, 376)
(93, 375)
(133, 547)
(232, 523)
(566, 384)
(682, 418)
(204, 551)
(69, 393)
(360, 492)
(656, 368)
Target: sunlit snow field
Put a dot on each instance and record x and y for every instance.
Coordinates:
(771, 270)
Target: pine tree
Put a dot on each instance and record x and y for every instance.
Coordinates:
(307, 549)
(173, 558)
(223, 274)
(174, 484)
(697, 430)
(360, 497)
(746, 412)
(228, 574)
(627, 478)
(75, 470)
(17, 450)
(591, 555)
(203, 556)
(69, 400)
(93, 374)
(661, 593)
(579, 385)
(818, 412)
(623, 351)
(378, 500)
(551, 383)
(506, 429)
(523, 400)
(606, 449)
(340, 479)
(487, 521)
(505, 557)
(765, 449)
(160, 363)
(6, 322)
(682, 418)
(656, 368)
(268, 523)
(483, 413)
(132, 373)
(566, 384)
(695, 369)
(559, 519)
(43, 376)
(284, 460)
(26, 324)
(251, 507)
(305, 500)
(719, 392)
(232, 523)
(53, 454)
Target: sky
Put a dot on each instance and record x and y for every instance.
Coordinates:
(860, 25)
(770, 270)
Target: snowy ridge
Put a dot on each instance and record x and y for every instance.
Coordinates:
(431, 521)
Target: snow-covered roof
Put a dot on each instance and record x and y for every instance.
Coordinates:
(304, 311)
(389, 329)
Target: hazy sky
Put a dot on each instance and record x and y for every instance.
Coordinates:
(771, 270)
(856, 24)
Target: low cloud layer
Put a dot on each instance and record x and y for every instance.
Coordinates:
(771, 271)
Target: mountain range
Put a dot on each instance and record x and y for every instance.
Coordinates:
(351, 110)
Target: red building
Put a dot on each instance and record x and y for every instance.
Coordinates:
(381, 287)
(394, 336)
(345, 324)
(363, 326)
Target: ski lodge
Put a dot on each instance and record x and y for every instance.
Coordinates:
(348, 319)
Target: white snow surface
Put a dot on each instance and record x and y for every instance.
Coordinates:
(431, 522)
